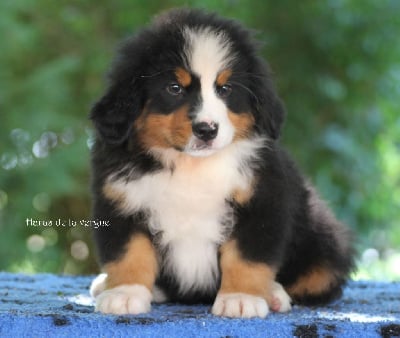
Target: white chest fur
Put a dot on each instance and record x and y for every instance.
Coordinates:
(187, 208)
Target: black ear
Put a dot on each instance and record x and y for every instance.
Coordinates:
(272, 113)
(268, 107)
(113, 115)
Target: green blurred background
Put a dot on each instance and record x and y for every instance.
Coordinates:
(337, 67)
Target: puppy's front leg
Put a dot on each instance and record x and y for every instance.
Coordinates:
(247, 288)
(130, 279)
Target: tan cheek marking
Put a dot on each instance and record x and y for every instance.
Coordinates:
(153, 129)
(137, 266)
(183, 77)
(239, 275)
(243, 124)
(164, 131)
(223, 77)
(317, 281)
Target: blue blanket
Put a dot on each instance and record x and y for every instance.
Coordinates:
(46, 305)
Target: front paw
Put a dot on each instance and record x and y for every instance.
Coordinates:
(240, 305)
(98, 285)
(280, 301)
(124, 299)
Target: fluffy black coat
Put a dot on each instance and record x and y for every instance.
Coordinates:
(284, 224)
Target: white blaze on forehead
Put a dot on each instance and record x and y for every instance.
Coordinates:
(208, 53)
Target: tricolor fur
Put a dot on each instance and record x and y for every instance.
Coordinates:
(203, 204)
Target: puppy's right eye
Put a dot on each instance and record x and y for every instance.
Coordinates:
(174, 89)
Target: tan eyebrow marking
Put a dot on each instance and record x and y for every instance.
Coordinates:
(183, 76)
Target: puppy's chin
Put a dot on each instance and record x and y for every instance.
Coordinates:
(199, 148)
(202, 152)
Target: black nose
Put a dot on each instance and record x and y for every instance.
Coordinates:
(205, 131)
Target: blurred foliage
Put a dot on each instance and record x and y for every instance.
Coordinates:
(336, 64)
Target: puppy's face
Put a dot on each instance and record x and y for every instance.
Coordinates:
(193, 89)
(200, 106)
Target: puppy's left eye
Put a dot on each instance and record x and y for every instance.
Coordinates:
(224, 90)
(174, 89)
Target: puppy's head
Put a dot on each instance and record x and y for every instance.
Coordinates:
(192, 82)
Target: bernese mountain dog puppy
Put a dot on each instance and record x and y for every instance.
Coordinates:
(204, 205)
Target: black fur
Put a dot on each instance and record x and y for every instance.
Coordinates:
(277, 226)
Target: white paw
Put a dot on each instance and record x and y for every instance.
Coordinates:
(159, 295)
(124, 299)
(98, 285)
(280, 299)
(240, 305)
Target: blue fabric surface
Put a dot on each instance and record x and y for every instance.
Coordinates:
(59, 306)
